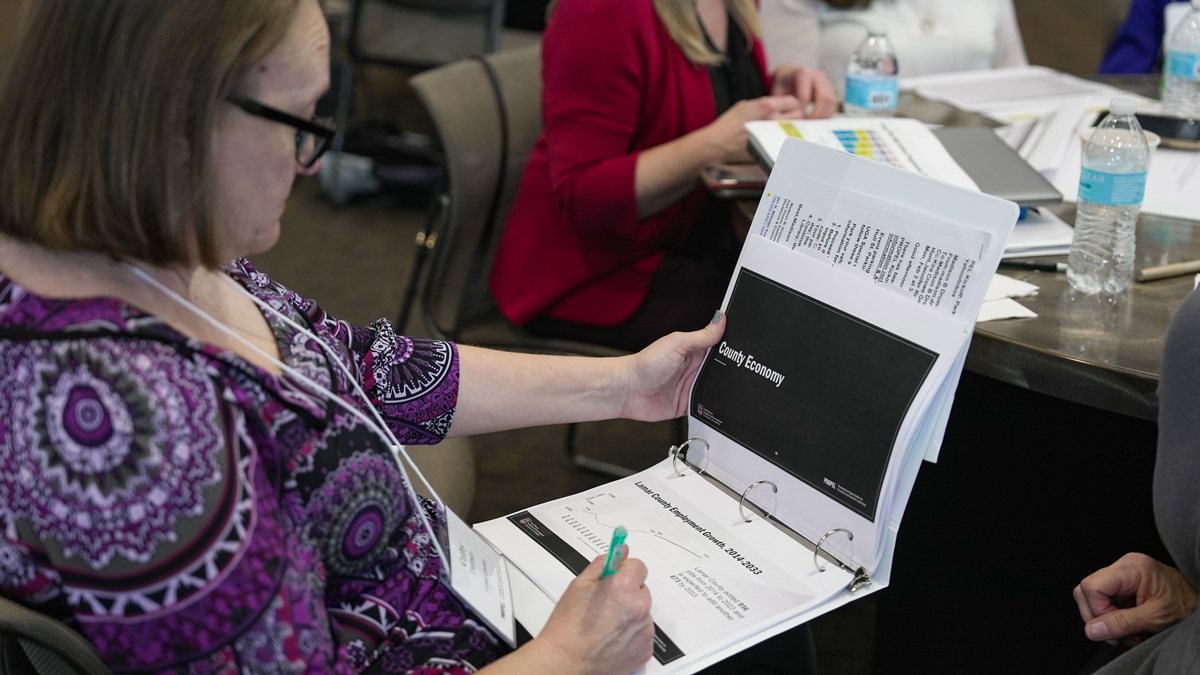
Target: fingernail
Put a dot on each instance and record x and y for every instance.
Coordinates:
(1097, 630)
(717, 317)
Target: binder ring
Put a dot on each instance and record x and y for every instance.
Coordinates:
(816, 560)
(742, 501)
(681, 449)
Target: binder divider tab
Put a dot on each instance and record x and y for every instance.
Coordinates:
(742, 501)
(860, 577)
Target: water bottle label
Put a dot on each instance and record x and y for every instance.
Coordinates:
(1183, 64)
(872, 93)
(1113, 189)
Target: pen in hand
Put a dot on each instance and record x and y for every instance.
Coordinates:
(615, 552)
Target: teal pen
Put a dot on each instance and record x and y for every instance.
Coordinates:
(614, 559)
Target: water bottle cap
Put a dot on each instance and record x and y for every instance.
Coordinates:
(880, 28)
(1123, 106)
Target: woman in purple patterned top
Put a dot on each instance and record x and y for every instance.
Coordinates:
(174, 488)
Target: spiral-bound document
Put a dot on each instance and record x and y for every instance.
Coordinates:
(849, 317)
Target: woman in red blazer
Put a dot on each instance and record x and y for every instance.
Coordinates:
(612, 239)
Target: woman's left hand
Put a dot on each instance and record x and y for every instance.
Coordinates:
(660, 376)
(810, 85)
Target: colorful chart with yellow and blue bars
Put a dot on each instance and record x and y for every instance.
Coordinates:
(866, 143)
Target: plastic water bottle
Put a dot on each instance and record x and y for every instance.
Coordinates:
(1181, 90)
(871, 85)
(1112, 183)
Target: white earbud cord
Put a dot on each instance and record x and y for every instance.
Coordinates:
(379, 428)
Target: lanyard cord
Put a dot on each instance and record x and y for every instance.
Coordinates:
(381, 430)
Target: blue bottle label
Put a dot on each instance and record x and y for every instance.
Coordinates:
(1183, 64)
(873, 92)
(1113, 189)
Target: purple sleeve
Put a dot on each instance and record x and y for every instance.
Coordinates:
(413, 382)
(1138, 43)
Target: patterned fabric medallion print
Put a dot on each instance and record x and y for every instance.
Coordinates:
(122, 438)
(411, 368)
(357, 511)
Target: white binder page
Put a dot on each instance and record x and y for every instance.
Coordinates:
(895, 209)
(921, 256)
(819, 386)
(718, 584)
(847, 314)
(903, 143)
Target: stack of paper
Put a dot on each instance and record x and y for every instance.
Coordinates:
(1040, 232)
(1045, 110)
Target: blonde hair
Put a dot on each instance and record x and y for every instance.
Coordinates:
(683, 25)
(107, 109)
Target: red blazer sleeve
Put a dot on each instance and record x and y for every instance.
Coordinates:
(595, 75)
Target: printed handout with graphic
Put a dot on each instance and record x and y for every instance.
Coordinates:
(705, 583)
(810, 388)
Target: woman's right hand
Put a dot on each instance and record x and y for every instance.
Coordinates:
(603, 626)
(728, 135)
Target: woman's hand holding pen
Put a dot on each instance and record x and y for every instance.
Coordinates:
(602, 626)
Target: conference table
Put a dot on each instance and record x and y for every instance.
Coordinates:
(1045, 471)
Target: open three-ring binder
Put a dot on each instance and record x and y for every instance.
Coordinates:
(849, 318)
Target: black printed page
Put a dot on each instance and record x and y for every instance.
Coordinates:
(811, 389)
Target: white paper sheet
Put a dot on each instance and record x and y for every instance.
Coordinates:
(1005, 308)
(984, 90)
(916, 254)
(903, 143)
(1039, 233)
(1008, 287)
(479, 575)
(701, 556)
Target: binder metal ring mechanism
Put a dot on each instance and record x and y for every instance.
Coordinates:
(861, 578)
(681, 450)
(742, 501)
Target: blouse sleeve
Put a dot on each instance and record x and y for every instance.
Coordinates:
(413, 382)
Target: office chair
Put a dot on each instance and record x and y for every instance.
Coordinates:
(414, 35)
(487, 111)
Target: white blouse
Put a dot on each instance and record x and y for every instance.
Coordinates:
(929, 36)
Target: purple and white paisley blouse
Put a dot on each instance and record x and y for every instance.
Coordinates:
(188, 512)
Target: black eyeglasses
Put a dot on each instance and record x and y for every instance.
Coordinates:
(313, 137)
